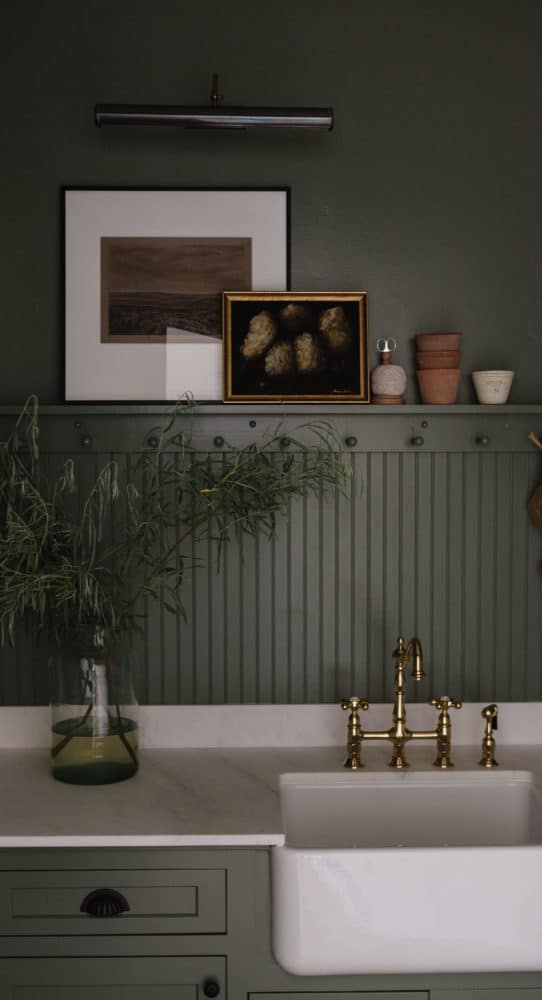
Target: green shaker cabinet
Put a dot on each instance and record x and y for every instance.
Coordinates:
(111, 978)
(198, 925)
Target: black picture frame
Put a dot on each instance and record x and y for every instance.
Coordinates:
(89, 371)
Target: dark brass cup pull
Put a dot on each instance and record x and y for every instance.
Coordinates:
(211, 988)
(105, 903)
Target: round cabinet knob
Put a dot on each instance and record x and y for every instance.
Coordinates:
(86, 441)
(483, 440)
(285, 442)
(211, 988)
(153, 441)
(417, 441)
(351, 442)
(105, 903)
(218, 441)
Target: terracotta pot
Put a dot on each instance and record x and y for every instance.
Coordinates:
(438, 341)
(439, 385)
(438, 359)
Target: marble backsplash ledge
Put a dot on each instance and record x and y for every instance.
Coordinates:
(246, 726)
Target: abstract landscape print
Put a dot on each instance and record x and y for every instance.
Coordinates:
(169, 289)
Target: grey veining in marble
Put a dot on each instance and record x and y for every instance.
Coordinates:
(181, 797)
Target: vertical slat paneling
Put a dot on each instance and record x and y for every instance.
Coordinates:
(249, 621)
(297, 612)
(488, 566)
(436, 544)
(455, 533)
(344, 611)
(263, 610)
(408, 541)
(232, 556)
(216, 624)
(329, 583)
(503, 574)
(472, 580)
(359, 596)
(137, 649)
(520, 531)
(392, 565)
(280, 599)
(440, 550)
(424, 562)
(377, 651)
(10, 672)
(311, 541)
(534, 596)
(186, 654)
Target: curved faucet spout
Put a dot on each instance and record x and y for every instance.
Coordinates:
(399, 732)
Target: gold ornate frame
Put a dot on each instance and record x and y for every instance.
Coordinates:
(229, 299)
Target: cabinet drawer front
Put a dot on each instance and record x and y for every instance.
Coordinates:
(342, 995)
(110, 978)
(498, 993)
(171, 901)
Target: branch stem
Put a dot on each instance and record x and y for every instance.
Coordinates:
(156, 571)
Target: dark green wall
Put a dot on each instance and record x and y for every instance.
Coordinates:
(427, 193)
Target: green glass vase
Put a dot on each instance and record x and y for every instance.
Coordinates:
(93, 715)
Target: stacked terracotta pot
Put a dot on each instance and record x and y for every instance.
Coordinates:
(438, 357)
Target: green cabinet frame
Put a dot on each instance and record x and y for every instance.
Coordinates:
(162, 978)
(49, 952)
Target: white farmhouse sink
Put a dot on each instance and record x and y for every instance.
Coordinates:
(409, 872)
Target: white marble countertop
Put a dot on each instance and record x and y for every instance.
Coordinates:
(185, 797)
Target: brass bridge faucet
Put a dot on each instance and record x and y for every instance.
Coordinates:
(399, 734)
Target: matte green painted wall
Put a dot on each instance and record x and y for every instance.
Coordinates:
(427, 193)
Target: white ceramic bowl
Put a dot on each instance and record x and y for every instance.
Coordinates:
(493, 386)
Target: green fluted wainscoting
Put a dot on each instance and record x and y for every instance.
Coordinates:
(433, 539)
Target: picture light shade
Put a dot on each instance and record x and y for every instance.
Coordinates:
(214, 116)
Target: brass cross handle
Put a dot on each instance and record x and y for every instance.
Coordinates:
(354, 704)
(354, 737)
(444, 730)
(444, 703)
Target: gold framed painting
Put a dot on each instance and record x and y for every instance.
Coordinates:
(295, 347)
